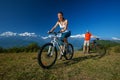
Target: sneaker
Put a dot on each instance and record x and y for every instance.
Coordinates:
(83, 52)
(60, 57)
(88, 52)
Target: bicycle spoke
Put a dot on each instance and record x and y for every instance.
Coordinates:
(47, 56)
(69, 52)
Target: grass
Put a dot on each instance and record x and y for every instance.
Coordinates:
(24, 66)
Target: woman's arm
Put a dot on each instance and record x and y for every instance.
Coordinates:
(66, 25)
(54, 27)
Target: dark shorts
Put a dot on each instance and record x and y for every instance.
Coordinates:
(65, 35)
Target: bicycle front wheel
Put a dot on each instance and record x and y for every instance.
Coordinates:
(47, 56)
(68, 54)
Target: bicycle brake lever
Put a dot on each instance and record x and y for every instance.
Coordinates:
(49, 32)
(58, 32)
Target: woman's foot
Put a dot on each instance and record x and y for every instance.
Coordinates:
(60, 57)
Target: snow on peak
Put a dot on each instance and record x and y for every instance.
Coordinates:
(78, 36)
(28, 34)
(44, 37)
(8, 33)
(115, 38)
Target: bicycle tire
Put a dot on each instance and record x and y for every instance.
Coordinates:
(41, 52)
(101, 51)
(66, 53)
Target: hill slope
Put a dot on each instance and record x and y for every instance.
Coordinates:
(24, 66)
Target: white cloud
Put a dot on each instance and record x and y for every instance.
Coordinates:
(28, 34)
(82, 36)
(115, 38)
(72, 36)
(8, 33)
(78, 36)
(44, 37)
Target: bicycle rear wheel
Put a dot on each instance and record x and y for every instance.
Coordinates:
(101, 51)
(47, 56)
(68, 54)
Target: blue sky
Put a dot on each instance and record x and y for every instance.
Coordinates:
(101, 17)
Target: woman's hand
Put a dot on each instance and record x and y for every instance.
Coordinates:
(49, 32)
(62, 30)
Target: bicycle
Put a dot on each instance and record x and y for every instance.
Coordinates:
(98, 48)
(47, 56)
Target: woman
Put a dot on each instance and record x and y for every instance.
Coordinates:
(63, 23)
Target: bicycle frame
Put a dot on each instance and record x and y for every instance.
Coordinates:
(56, 42)
(47, 56)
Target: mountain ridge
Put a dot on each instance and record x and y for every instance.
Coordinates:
(11, 39)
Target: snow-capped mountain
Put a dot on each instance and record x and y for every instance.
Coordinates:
(9, 34)
(10, 39)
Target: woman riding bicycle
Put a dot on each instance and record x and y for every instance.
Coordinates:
(63, 23)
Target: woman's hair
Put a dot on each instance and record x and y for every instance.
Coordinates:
(62, 15)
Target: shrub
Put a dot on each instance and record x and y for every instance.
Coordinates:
(1, 50)
(32, 47)
(117, 49)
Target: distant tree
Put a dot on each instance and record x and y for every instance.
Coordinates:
(117, 49)
(33, 47)
(1, 50)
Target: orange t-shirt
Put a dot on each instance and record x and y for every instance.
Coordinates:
(88, 36)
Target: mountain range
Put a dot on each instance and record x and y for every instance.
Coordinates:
(11, 39)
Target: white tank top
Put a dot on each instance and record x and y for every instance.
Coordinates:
(62, 26)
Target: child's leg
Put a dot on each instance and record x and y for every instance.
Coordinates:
(84, 47)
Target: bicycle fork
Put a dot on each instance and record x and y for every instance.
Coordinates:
(51, 50)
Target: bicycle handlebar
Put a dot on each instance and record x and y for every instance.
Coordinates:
(54, 32)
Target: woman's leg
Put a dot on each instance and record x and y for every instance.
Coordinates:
(65, 40)
(64, 37)
(61, 46)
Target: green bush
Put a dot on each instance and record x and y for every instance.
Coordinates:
(1, 50)
(117, 49)
(32, 47)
